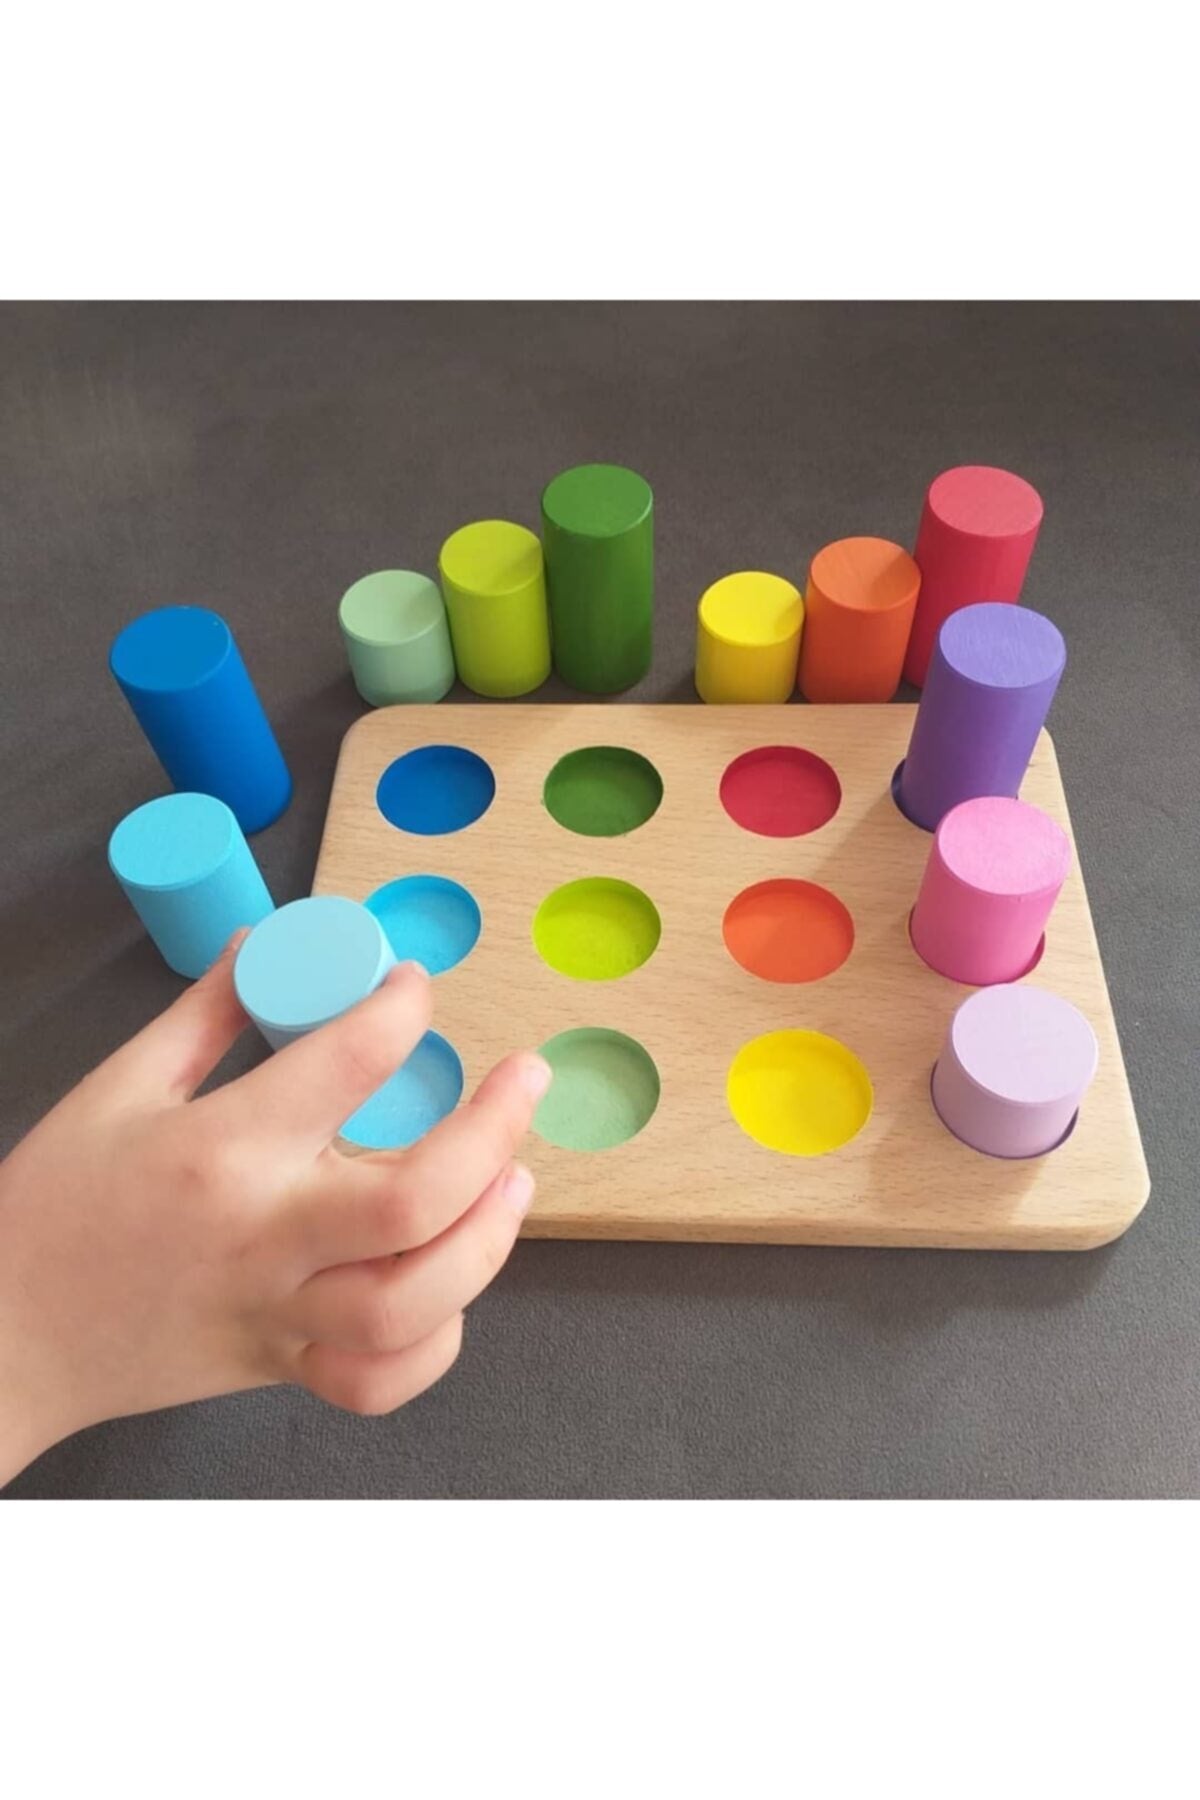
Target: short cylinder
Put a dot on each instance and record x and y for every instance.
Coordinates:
(183, 675)
(598, 531)
(190, 876)
(1014, 1069)
(995, 869)
(397, 638)
(859, 605)
(309, 963)
(495, 588)
(748, 630)
(976, 536)
(994, 673)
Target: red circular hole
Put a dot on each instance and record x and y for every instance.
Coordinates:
(780, 791)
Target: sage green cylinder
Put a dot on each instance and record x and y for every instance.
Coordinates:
(495, 588)
(598, 537)
(397, 638)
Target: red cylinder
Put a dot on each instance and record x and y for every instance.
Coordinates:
(976, 537)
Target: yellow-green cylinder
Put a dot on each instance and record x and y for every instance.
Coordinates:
(495, 589)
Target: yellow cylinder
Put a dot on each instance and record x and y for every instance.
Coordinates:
(748, 639)
(495, 589)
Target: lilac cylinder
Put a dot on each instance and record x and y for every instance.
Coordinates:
(1015, 1066)
(994, 672)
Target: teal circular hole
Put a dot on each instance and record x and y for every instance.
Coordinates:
(427, 919)
(602, 791)
(605, 1089)
(436, 789)
(410, 1102)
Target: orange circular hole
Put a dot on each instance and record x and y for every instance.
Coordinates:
(788, 930)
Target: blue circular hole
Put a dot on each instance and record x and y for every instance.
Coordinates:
(435, 789)
(410, 1102)
(427, 919)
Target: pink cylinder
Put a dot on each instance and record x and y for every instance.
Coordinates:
(1016, 1064)
(994, 872)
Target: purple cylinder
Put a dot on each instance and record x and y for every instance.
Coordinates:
(994, 672)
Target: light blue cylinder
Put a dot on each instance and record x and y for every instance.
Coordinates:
(309, 963)
(190, 877)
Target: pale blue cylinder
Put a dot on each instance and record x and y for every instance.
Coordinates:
(190, 876)
(309, 963)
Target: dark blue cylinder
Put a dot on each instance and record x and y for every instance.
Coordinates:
(183, 675)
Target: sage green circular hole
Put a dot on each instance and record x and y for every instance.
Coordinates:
(605, 1089)
(596, 929)
(602, 791)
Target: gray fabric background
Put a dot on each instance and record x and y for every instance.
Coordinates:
(259, 458)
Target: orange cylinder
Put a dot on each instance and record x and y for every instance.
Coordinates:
(862, 593)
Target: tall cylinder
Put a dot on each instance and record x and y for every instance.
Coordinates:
(859, 604)
(976, 536)
(1013, 1071)
(598, 532)
(994, 672)
(995, 870)
(183, 675)
(495, 588)
(309, 963)
(189, 875)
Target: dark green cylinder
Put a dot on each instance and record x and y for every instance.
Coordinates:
(598, 538)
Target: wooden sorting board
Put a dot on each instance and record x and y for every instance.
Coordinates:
(692, 1173)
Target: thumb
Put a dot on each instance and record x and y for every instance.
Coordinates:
(172, 1055)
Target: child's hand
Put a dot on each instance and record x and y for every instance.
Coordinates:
(156, 1249)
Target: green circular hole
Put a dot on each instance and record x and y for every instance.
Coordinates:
(605, 1090)
(596, 929)
(602, 791)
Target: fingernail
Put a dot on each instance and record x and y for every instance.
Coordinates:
(518, 1189)
(400, 971)
(537, 1075)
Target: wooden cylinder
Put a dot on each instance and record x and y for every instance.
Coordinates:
(1014, 1069)
(976, 536)
(397, 638)
(860, 599)
(995, 869)
(748, 639)
(995, 671)
(190, 876)
(598, 533)
(189, 690)
(493, 580)
(308, 963)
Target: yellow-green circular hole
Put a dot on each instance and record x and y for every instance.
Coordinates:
(800, 1092)
(596, 929)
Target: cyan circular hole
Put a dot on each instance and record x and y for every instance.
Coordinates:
(412, 1101)
(427, 919)
(434, 790)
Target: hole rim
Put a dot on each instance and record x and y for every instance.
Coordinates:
(423, 879)
(421, 757)
(626, 890)
(796, 884)
(633, 759)
(799, 755)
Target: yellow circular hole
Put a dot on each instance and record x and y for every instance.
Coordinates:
(800, 1092)
(596, 929)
